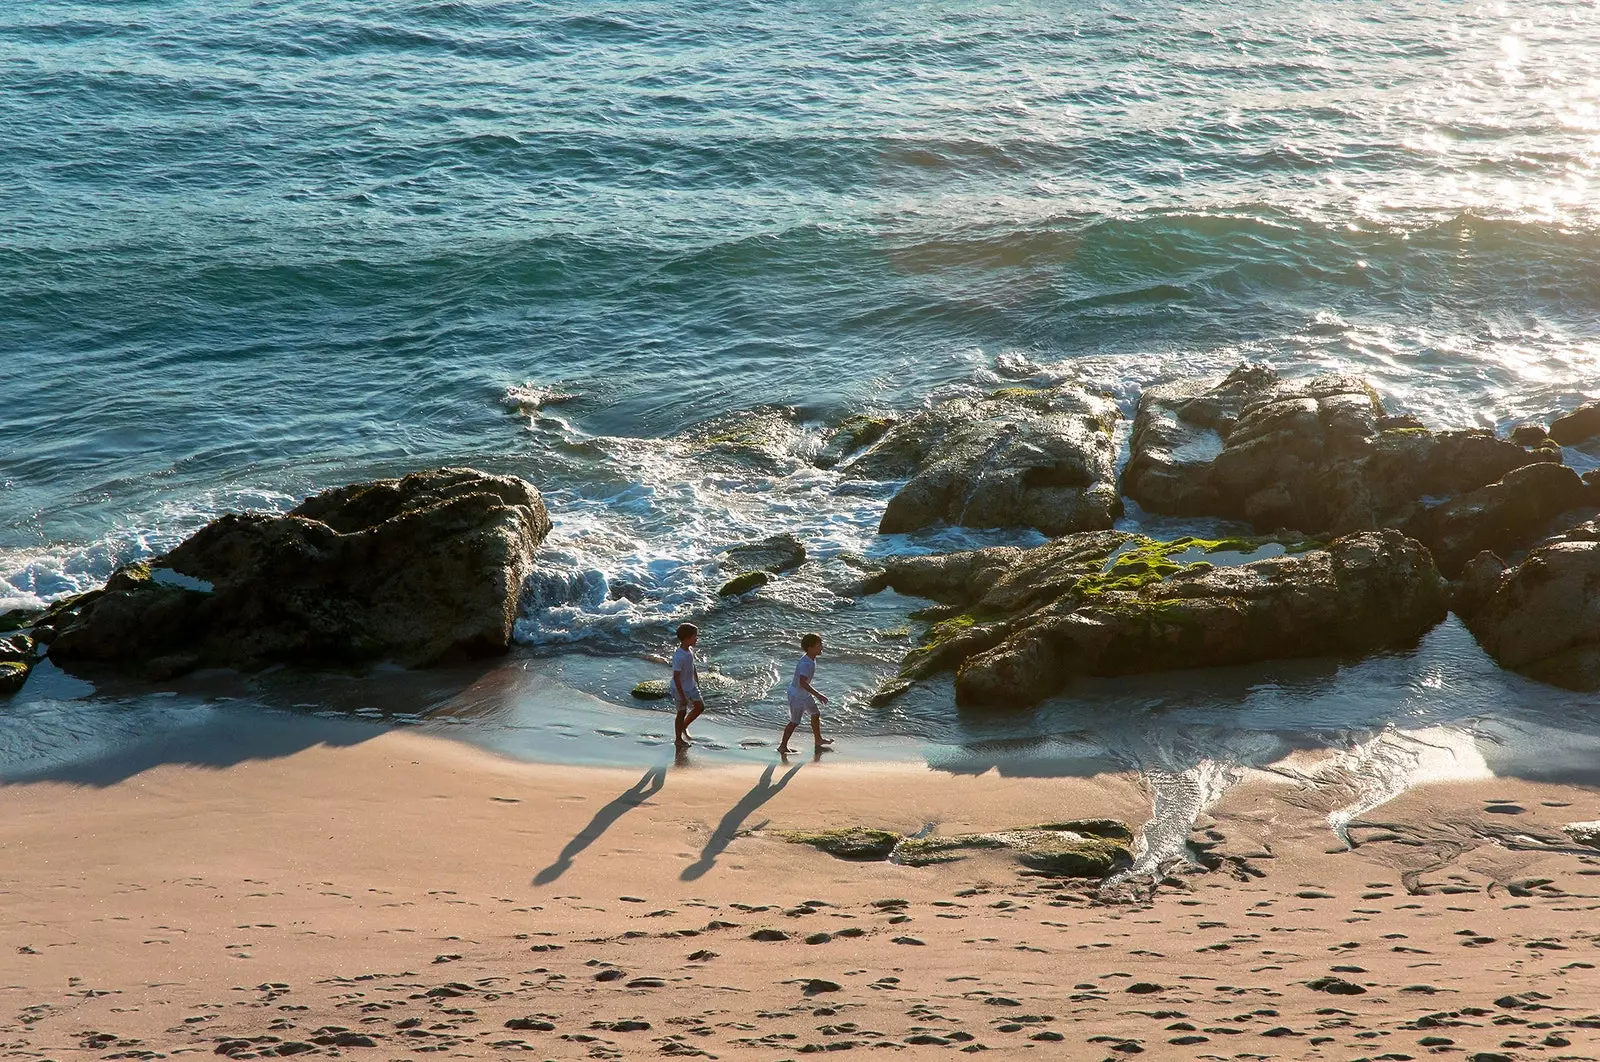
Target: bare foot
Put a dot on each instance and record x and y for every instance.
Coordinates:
(785, 750)
(824, 748)
(684, 741)
(824, 741)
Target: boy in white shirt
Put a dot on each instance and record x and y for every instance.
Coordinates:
(803, 696)
(686, 683)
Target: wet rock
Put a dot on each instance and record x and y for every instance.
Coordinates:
(1527, 433)
(856, 842)
(18, 653)
(1578, 426)
(853, 435)
(422, 570)
(764, 440)
(1316, 455)
(1016, 458)
(17, 619)
(1584, 833)
(1050, 849)
(743, 584)
(776, 554)
(652, 690)
(1541, 617)
(13, 674)
(1109, 603)
(1502, 517)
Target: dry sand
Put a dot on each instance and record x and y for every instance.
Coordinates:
(407, 896)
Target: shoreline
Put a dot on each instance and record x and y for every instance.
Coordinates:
(403, 877)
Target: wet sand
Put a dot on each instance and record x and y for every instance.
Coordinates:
(405, 896)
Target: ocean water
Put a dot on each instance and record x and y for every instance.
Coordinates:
(249, 250)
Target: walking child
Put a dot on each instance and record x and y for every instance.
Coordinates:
(686, 684)
(803, 696)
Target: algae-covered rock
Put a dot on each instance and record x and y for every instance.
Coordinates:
(854, 434)
(1053, 848)
(13, 673)
(766, 440)
(854, 842)
(1110, 603)
(421, 570)
(652, 690)
(1585, 833)
(1541, 617)
(1017, 458)
(1317, 455)
(743, 584)
(19, 618)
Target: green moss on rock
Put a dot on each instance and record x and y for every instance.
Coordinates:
(652, 690)
(854, 842)
(18, 618)
(743, 584)
(13, 673)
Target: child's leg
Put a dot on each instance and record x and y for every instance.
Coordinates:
(816, 730)
(678, 726)
(788, 732)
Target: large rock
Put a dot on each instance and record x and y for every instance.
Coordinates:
(1022, 623)
(1501, 517)
(17, 655)
(1317, 455)
(422, 570)
(1578, 426)
(1019, 457)
(1541, 617)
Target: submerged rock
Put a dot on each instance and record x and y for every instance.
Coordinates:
(1317, 455)
(1541, 617)
(422, 570)
(765, 440)
(1025, 622)
(743, 584)
(1016, 458)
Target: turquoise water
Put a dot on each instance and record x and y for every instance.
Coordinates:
(252, 249)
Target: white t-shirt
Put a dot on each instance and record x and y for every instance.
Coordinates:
(806, 668)
(683, 664)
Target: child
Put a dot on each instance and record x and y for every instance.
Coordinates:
(686, 684)
(803, 696)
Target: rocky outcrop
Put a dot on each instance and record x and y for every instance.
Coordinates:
(422, 570)
(1318, 456)
(1019, 457)
(1578, 426)
(854, 434)
(1023, 623)
(1501, 517)
(752, 565)
(1541, 617)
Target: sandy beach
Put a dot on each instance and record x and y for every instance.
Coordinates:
(408, 895)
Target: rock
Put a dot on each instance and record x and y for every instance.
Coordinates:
(1501, 517)
(13, 673)
(1527, 433)
(1316, 455)
(1578, 426)
(1050, 849)
(1541, 617)
(18, 647)
(1016, 458)
(853, 435)
(1336, 986)
(19, 618)
(652, 690)
(422, 570)
(1110, 603)
(855, 842)
(776, 554)
(1584, 833)
(743, 584)
(764, 440)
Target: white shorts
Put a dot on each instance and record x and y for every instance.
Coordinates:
(799, 705)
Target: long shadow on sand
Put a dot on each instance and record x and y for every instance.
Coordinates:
(729, 827)
(646, 787)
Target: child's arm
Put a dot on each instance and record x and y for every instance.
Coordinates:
(805, 684)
